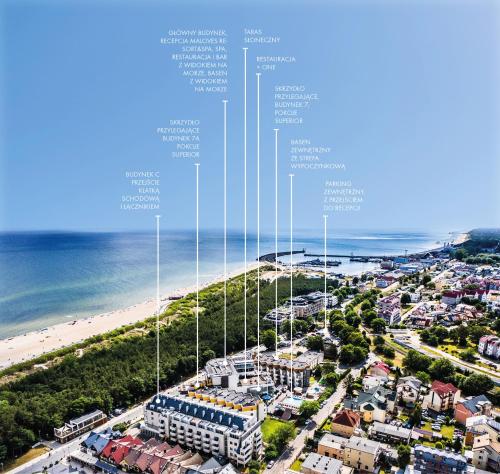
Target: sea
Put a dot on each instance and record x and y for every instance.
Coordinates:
(52, 277)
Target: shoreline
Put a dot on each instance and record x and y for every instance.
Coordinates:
(33, 344)
(28, 346)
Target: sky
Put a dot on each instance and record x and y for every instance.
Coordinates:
(409, 102)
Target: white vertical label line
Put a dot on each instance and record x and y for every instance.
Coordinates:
(258, 229)
(225, 229)
(157, 306)
(245, 202)
(291, 283)
(276, 235)
(325, 217)
(197, 165)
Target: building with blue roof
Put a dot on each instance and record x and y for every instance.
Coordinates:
(212, 421)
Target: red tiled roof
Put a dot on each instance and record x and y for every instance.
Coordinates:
(143, 461)
(108, 449)
(442, 388)
(156, 467)
(381, 365)
(347, 418)
(174, 451)
(119, 454)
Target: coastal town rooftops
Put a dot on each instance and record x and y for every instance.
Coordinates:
(376, 397)
(474, 404)
(390, 430)
(332, 441)
(206, 410)
(381, 366)
(318, 463)
(363, 444)
(301, 362)
(219, 367)
(439, 453)
(443, 389)
(410, 381)
(347, 417)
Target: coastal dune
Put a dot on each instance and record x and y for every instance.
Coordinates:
(36, 343)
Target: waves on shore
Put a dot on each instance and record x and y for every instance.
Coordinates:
(47, 277)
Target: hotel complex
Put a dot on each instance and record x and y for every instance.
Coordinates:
(214, 421)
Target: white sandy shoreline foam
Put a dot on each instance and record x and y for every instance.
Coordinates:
(33, 344)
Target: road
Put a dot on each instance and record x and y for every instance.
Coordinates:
(415, 343)
(294, 449)
(57, 454)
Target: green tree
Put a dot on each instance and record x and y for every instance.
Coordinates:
(441, 369)
(315, 343)
(416, 415)
(415, 362)
(378, 325)
(404, 455)
(424, 377)
(268, 338)
(469, 355)
(405, 299)
(308, 408)
(331, 379)
(476, 384)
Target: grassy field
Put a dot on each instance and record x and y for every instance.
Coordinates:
(269, 426)
(31, 454)
(446, 430)
(296, 465)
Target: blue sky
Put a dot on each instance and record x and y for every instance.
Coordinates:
(409, 101)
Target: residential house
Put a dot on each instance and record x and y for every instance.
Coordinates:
(383, 281)
(345, 423)
(442, 396)
(389, 309)
(332, 446)
(486, 454)
(489, 346)
(408, 390)
(472, 406)
(317, 464)
(373, 404)
(389, 433)
(361, 453)
(431, 460)
(380, 369)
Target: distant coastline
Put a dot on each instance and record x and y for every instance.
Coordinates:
(22, 347)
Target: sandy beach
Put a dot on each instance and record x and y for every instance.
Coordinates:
(36, 343)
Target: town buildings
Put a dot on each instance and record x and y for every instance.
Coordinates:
(332, 446)
(345, 423)
(389, 433)
(408, 390)
(442, 396)
(298, 371)
(472, 406)
(214, 421)
(317, 464)
(489, 346)
(389, 309)
(361, 453)
(431, 460)
(374, 404)
(230, 373)
(77, 426)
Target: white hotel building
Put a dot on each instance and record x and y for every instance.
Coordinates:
(213, 421)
